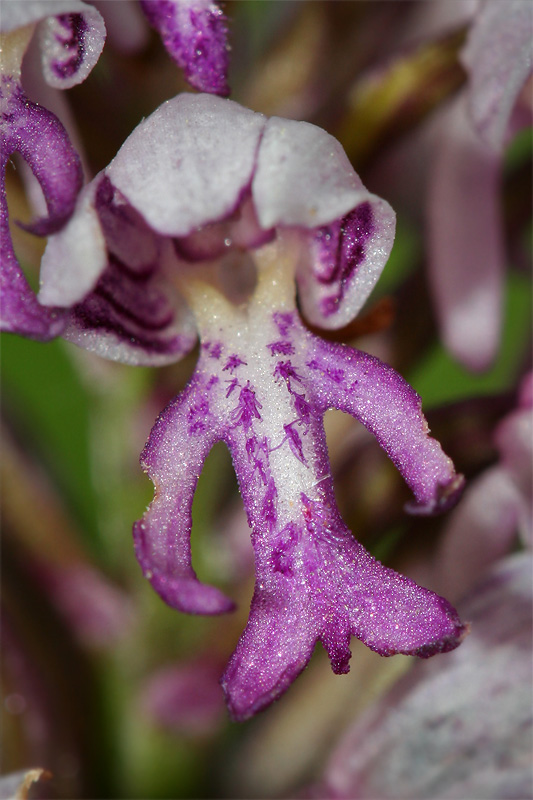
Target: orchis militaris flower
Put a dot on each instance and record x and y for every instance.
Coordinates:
(202, 224)
(467, 264)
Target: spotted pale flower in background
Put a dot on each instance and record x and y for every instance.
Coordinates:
(201, 225)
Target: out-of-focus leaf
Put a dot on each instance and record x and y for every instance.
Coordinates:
(45, 403)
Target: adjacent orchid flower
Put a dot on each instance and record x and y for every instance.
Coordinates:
(466, 237)
(200, 226)
(70, 36)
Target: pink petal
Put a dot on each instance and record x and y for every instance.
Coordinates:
(185, 698)
(71, 36)
(42, 141)
(481, 530)
(108, 264)
(71, 44)
(465, 239)
(383, 401)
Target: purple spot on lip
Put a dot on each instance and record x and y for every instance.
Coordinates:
(74, 43)
(282, 555)
(286, 371)
(247, 408)
(197, 417)
(233, 362)
(283, 321)
(302, 407)
(281, 348)
(214, 349)
(269, 507)
(336, 374)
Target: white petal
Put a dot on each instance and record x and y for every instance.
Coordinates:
(74, 258)
(189, 162)
(303, 176)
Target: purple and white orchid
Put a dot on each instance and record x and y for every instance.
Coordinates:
(69, 36)
(203, 225)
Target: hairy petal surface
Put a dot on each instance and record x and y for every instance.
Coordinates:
(383, 401)
(173, 457)
(313, 580)
(498, 56)
(189, 163)
(194, 33)
(41, 140)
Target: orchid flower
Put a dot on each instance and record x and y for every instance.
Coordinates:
(202, 225)
(466, 235)
(70, 35)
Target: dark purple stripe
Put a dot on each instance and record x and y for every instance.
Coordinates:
(76, 26)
